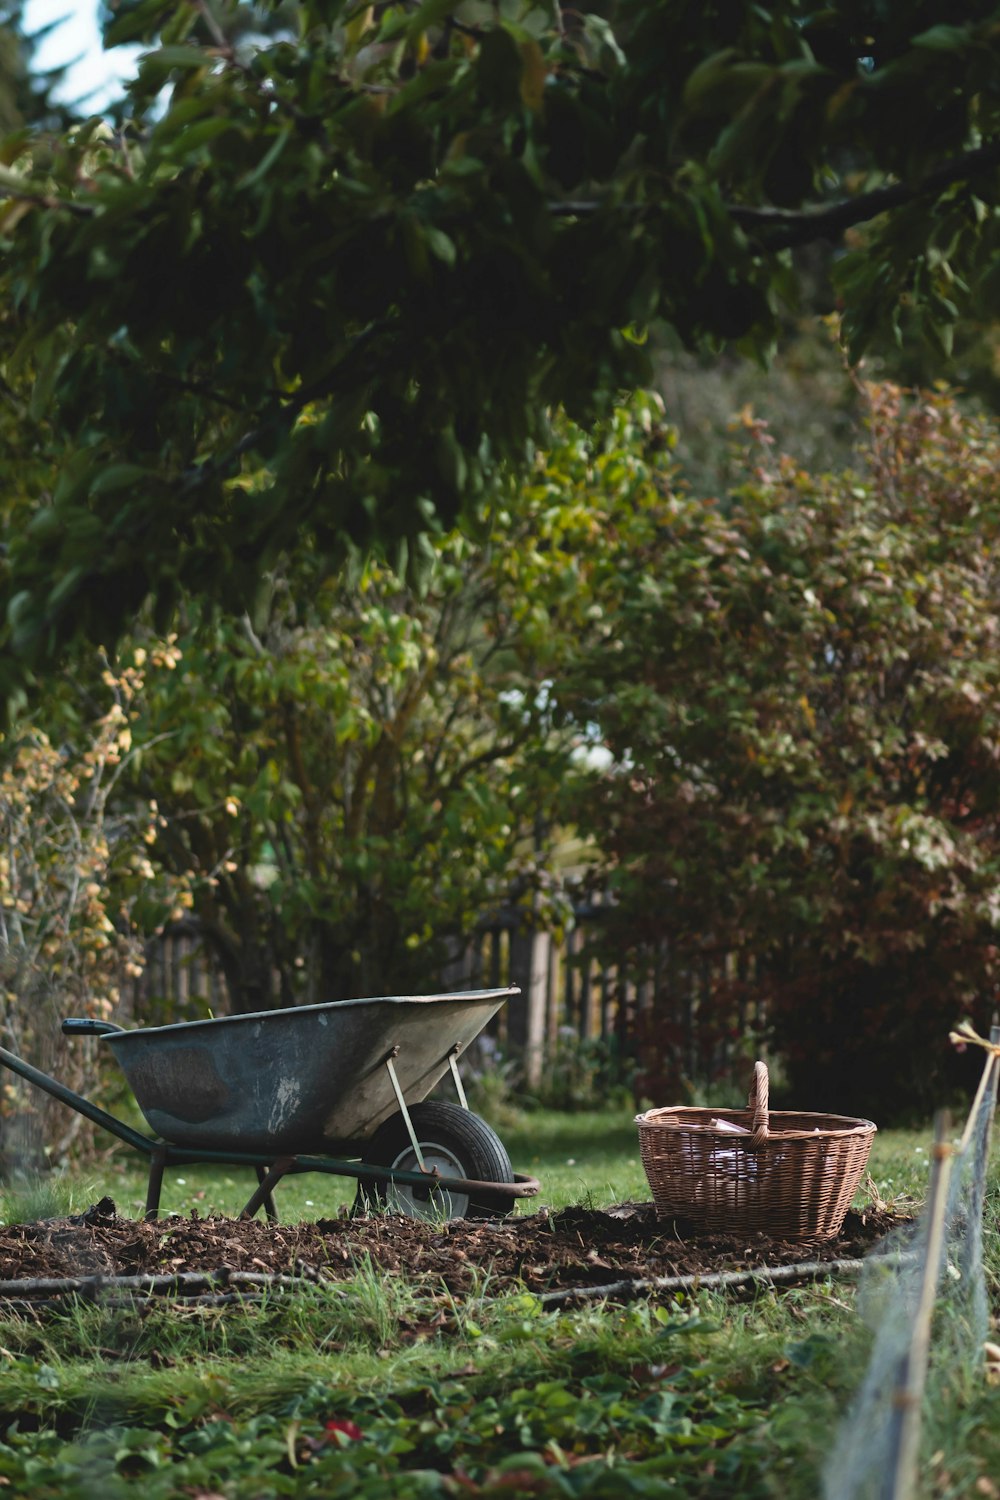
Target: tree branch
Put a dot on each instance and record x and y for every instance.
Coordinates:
(783, 230)
(45, 200)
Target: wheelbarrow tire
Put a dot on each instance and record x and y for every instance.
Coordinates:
(454, 1140)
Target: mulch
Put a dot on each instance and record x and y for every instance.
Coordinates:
(546, 1251)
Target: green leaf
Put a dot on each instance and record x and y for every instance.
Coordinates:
(440, 244)
(600, 29)
(428, 14)
(269, 159)
(703, 82)
(179, 56)
(944, 38)
(186, 141)
(120, 477)
(141, 21)
(498, 68)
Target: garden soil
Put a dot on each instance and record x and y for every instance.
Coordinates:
(544, 1251)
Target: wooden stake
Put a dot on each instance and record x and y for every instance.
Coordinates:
(904, 1441)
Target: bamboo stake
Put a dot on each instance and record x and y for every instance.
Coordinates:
(904, 1440)
(985, 1101)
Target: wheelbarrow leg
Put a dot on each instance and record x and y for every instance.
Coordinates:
(417, 1151)
(267, 1181)
(269, 1208)
(157, 1163)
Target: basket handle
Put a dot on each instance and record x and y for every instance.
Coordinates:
(757, 1105)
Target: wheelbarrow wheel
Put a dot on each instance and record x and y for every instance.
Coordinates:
(453, 1140)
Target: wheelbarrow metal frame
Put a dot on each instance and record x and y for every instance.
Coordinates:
(270, 1167)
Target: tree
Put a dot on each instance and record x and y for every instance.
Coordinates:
(800, 692)
(365, 261)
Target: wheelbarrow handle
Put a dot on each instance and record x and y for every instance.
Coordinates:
(87, 1026)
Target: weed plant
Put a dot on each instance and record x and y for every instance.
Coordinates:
(27, 1199)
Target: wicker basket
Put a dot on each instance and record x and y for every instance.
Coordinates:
(791, 1176)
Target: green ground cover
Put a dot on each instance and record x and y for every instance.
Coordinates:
(379, 1389)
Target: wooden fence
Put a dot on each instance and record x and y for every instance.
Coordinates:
(681, 1026)
(181, 979)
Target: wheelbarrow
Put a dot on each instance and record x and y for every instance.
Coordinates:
(339, 1088)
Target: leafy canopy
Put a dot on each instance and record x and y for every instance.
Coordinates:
(328, 286)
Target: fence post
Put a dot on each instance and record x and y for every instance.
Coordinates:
(526, 1013)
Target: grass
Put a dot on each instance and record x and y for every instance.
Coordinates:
(588, 1157)
(638, 1396)
(496, 1395)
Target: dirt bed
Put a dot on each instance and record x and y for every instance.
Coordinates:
(544, 1251)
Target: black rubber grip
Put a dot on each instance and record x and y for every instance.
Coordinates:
(85, 1026)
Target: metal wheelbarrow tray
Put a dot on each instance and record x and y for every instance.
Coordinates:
(335, 1088)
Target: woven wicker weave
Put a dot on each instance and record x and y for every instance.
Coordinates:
(791, 1176)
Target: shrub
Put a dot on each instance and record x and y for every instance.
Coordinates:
(800, 692)
(74, 863)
